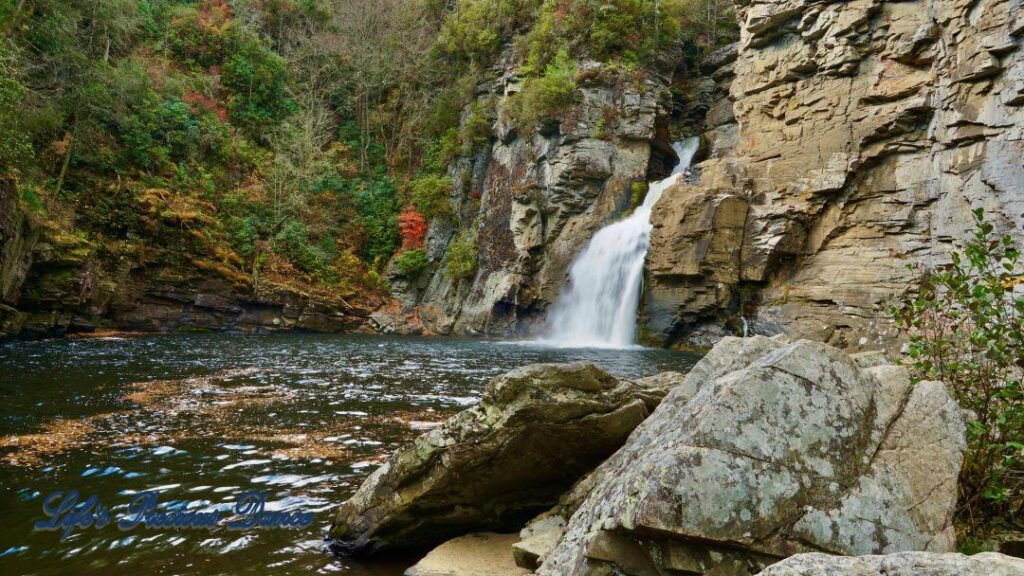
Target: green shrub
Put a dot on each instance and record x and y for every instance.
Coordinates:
(473, 31)
(31, 200)
(377, 202)
(257, 79)
(412, 263)
(966, 328)
(461, 259)
(431, 195)
(442, 151)
(545, 96)
(606, 30)
(193, 41)
(297, 242)
(478, 128)
(637, 193)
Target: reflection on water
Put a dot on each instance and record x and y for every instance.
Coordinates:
(204, 418)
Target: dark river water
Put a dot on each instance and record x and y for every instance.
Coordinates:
(202, 419)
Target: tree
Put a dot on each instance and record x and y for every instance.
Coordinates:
(382, 45)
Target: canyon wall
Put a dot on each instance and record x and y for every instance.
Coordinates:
(851, 139)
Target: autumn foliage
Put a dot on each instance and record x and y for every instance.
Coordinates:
(413, 228)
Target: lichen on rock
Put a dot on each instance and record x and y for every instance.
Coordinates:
(766, 449)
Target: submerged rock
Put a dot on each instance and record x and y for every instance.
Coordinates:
(902, 564)
(536, 430)
(770, 448)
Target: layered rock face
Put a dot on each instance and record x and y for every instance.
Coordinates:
(767, 449)
(902, 564)
(17, 240)
(857, 138)
(536, 430)
(536, 198)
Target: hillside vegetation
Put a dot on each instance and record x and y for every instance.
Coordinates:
(283, 139)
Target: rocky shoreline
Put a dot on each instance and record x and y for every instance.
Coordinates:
(770, 456)
(54, 284)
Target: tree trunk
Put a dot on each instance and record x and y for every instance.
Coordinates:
(67, 162)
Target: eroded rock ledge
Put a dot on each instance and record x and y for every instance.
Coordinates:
(768, 449)
(902, 564)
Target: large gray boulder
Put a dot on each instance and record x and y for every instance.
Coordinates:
(902, 564)
(766, 449)
(536, 430)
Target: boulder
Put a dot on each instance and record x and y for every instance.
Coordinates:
(537, 539)
(484, 554)
(902, 564)
(770, 448)
(536, 430)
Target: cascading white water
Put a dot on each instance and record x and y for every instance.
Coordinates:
(598, 308)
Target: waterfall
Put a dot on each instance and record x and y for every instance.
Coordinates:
(599, 306)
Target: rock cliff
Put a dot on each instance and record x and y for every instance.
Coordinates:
(841, 142)
(535, 198)
(855, 138)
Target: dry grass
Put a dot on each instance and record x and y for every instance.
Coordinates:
(57, 436)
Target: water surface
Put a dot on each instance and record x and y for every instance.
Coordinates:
(204, 418)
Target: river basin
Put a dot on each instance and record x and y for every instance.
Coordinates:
(203, 418)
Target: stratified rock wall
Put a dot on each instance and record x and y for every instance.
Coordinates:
(860, 137)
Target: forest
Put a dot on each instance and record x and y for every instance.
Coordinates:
(299, 141)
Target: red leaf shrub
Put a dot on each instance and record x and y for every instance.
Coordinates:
(413, 227)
